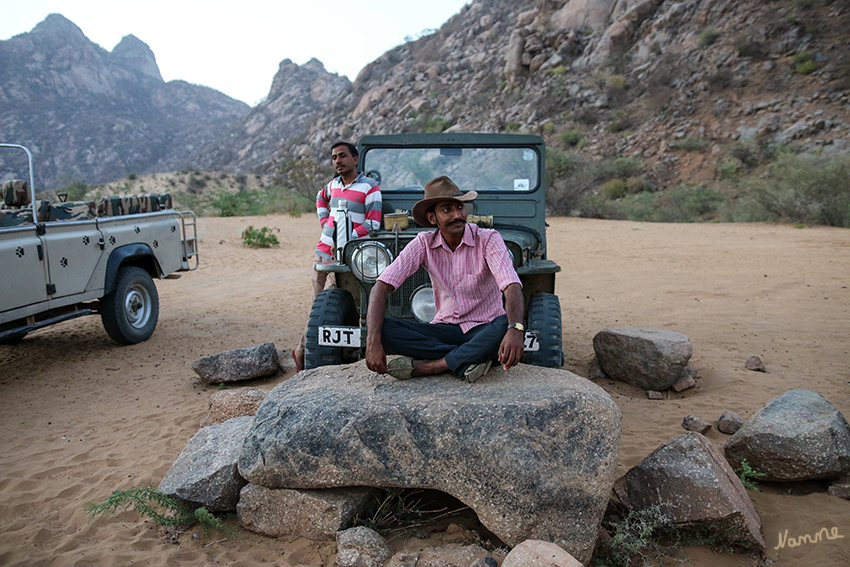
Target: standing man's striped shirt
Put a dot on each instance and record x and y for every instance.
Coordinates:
(468, 283)
(363, 197)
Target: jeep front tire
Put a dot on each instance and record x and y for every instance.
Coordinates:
(332, 307)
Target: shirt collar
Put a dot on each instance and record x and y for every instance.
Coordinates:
(468, 238)
(356, 179)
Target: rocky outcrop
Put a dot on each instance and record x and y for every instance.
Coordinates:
(694, 486)
(531, 451)
(115, 113)
(796, 436)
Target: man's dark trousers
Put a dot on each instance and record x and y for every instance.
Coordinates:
(424, 341)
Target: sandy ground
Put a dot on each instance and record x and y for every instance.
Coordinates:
(82, 417)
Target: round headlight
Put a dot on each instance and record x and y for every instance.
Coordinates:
(369, 259)
(422, 303)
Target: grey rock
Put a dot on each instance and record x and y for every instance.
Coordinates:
(484, 562)
(227, 404)
(729, 422)
(404, 560)
(537, 553)
(654, 395)
(694, 486)
(240, 364)
(452, 555)
(840, 488)
(693, 423)
(796, 436)
(531, 451)
(361, 547)
(652, 359)
(755, 364)
(684, 384)
(205, 472)
(312, 514)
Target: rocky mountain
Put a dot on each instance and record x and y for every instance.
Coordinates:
(92, 115)
(636, 78)
(687, 87)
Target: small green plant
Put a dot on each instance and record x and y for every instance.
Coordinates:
(260, 237)
(571, 137)
(806, 67)
(689, 144)
(437, 124)
(636, 537)
(747, 475)
(614, 189)
(131, 177)
(161, 508)
(708, 36)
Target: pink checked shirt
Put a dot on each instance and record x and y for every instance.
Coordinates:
(468, 283)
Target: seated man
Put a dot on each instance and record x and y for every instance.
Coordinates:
(470, 269)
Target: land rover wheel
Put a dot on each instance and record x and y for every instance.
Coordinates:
(544, 316)
(332, 307)
(130, 312)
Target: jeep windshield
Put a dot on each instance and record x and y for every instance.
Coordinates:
(479, 169)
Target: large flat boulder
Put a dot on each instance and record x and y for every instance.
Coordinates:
(532, 451)
(796, 436)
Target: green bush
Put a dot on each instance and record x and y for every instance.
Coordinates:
(806, 67)
(805, 188)
(614, 189)
(571, 137)
(570, 178)
(708, 36)
(689, 144)
(260, 237)
(637, 184)
(621, 167)
(437, 124)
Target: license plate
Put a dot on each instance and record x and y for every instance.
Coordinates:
(532, 341)
(339, 336)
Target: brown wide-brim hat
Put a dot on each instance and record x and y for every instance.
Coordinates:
(437, 190)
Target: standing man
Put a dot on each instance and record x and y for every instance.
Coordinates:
(362, 196)
(470, 270)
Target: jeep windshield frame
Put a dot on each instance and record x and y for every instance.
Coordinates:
(406, 162)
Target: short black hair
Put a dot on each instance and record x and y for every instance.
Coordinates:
(348, 145)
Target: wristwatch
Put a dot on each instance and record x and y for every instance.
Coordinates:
(518, 326)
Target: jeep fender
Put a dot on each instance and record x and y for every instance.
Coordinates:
(136, 254)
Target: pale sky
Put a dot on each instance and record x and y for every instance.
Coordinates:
(235, 47)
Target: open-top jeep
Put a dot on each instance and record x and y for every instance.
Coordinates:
(63, 260)
(508, 172)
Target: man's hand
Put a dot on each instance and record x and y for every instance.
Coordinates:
(511, 349)
(376, 358)
(513, 345)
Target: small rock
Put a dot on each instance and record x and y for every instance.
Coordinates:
(693, 423)
(403, 560)
(654, 395)
(537, 553)
(361, 547)
(730, 422)
(451, 555)
(841, 488)
(684, 384)
(239, 364)
(484, 562)
(755, 364)
(228, 404)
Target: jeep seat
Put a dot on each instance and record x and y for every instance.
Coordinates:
(16, 193)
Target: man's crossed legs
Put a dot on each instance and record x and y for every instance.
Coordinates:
(439, 347)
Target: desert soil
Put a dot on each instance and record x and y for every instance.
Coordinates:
(83, 417)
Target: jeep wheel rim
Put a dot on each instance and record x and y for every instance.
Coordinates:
(137, 306)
